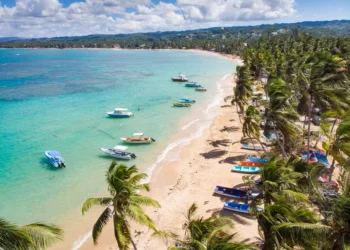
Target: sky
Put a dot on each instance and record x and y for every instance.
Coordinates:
(50, 18)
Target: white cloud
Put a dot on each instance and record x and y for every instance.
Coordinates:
(47, 18)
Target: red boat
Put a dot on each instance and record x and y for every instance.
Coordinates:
(180, 78)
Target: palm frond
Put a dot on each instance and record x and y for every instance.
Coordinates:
(12, 237)
(105, 201)
(100, 223)
(144, 200)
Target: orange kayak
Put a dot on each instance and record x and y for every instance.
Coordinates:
(250, 163)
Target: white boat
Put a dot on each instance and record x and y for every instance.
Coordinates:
(119, 113)
(186, 99)
(137, 138)
(119, 152)
(55, 158)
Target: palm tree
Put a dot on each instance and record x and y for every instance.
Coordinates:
(326, 84)
(34, 236)
(208, 234)
(123, 204)
(251, 124)
(243, 90)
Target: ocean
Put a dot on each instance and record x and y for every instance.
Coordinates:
(58, 99)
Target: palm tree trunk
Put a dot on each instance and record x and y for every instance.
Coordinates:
(334, 122)
(133, 244)
(331, 170)
(308, 131)
(239, 117)
(279, 143)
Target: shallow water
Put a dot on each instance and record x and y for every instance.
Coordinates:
(57, 99)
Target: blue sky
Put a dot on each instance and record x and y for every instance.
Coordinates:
(47, 18)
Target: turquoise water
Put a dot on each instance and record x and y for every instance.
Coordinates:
(57, 99)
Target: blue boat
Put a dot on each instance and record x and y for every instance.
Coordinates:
(186, 99)
(240, 208)
(193, 85)
(246, 169)
(230, 192)
(258, 159)
(55, 158)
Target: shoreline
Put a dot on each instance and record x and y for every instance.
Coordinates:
(164, 176)
(202, 164)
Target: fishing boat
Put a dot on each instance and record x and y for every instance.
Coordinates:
(240, 208)
(250, 163)
(246, 169)
(119, 113)
(55, 158)
(180, 78)
(193, 85)
(186, 99)
(230, 192)
(252, 147)
(258, 159)
(180, 104)
(119, 152)
(137, 138)
(201, 89)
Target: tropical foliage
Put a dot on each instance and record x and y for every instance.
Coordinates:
(123, 205)
(34, 236)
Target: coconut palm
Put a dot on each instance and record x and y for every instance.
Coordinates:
(208, 234)
(123, 205)
(285, 225)
(243, 90)
(326, 83)
(34, 236)
(281, 115)
(251, 124)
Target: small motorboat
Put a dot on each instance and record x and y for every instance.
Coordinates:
(193, 85)
(119, 113)
(258, 159)
(251, 164)
(246, 169)
(55, 158)
(231, 192)
(180, 78)
(180, 104)
(201, 89)
(240, 208)
(137, 138)
(119, 152)
(186, 99)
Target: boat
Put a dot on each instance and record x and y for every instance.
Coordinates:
(201, 89)
(180, 78)
(250, 163)
(186, 100)
(179, 104)
(246, 169)
(252, 147)
(240, 208)
(137, 138)
(55, 158)
(119, 113)
(119, 152)
(230, 192)
(258, 159)
(193, 85)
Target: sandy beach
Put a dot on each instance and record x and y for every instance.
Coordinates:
(202, 164)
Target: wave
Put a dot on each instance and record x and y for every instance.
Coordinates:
(189, 124)
(80, 242)
(218, 97)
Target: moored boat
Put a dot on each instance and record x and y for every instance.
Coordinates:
(119, 113)
(201, 89)
(246, 169)
(119, 152)
(180, 78)
(252, 147)
(137, 138)
(193, 85)
(55, 158)
(240, 208)
(179, 104)
(230, 192)
(186, 99)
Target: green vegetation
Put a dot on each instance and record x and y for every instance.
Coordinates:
(34, 236)
(123, 205)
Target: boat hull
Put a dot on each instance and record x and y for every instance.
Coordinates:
(231, 192)
(179, 80)
(119, 115)
(179, 104)
(246, 169)
(117, 156)
(54, 161)
(148, 141)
